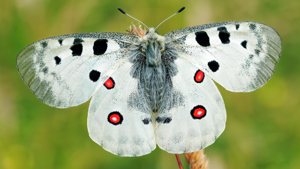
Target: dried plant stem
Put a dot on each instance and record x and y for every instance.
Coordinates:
(197, 160)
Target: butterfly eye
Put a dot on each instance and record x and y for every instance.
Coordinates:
(148, 32)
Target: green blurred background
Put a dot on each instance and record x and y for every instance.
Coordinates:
(262, 129)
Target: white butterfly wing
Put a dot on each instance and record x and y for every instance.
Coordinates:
(241, 56)
(197, 119)
(65, 71)
(119, 119)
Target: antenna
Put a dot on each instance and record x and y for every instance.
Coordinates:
(181, 9)
(131, 17)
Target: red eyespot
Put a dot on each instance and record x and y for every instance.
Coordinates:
(110, 83)
(199, 76)
(198, 112)
(115, 118)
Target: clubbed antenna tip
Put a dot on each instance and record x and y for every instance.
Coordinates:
(121, 10)
(179, 9)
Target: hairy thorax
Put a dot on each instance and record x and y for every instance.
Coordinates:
(154, 75)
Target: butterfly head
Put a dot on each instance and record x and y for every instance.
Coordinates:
(152, 46)
(152, 37)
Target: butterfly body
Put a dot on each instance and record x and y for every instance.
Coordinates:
(152, 89)
(153, 71)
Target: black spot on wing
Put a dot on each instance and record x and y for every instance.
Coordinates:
(45, 70)
(163, 119)
(213, 65)
(198, 112)
(199, 76)
(202, 38)
(115, 118)
(244, 44)
(257, 52)
(159, 120)
(167, 120)
(237, 26)
(110, 83)
(251, 57)
(60, 41)
(44, 44)
(57, 60)
(146, 121)
(252, 26)
(94, 75)
(100, 46)
(224, 35)
(248, 62)
(77, 41)
(77, 49)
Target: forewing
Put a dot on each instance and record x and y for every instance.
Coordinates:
(241, 56)
(119, 119)
(197, 119)
(65, 71)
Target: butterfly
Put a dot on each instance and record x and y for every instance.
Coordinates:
(147, 89)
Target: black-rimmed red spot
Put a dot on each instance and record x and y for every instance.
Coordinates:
(199, 76)
(198, 112)
(110, 83)
(115, 118)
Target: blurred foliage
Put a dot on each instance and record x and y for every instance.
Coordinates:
(262, 129)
